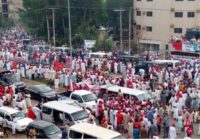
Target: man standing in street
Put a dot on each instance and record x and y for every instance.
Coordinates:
(5, 125)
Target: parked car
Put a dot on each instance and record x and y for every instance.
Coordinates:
(8, 78)
(84, 98)
(39, 92)
(14, 116)
(45, 129)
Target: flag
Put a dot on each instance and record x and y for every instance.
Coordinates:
(85, 87)
(75, 86)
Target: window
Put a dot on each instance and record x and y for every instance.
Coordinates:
(149, 28)
(178, 30)
(88, 137)
(8, 118)
(75, 135)
(1, 115)
(149, 13)
(138, 27)
(46, 110)
(138, 13)
(191, 14)
(68, 117)
(178, 14)
(74, 97)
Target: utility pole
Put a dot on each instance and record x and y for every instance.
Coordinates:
(54, 33)
(120, 14)
(129, 32)
(70, 38)
(48, 32)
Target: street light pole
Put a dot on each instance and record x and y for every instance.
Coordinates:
(120, 14)
(54, 33)
(129, 33)
(70, 38)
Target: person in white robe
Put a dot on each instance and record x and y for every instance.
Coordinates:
(22, 70)
(56, 83)
(112, 117)
(115, 67)
(176, 109)
(130, 129)
(37, 112)
(172, 132)
(28, 100)
(24, 106)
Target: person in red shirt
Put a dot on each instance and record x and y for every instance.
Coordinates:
(2, 91)
(119, 119)
(189, 131)
(136, 123)
(100, 113)
(30, 113)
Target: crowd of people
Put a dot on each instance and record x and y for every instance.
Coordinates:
(176, 91)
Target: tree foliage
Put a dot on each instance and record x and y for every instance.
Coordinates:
(86, 17)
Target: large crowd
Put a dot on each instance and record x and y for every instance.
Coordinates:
(176, 91)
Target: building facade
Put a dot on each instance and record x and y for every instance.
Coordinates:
(157, 20)
(10, 8)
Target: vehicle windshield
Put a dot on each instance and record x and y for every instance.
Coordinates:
(144, 96)
(89, 97)
(44, 89)
(50, 130)
(18, 115)
(79, 115)
(12, 79)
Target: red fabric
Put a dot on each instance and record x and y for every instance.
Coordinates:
(129, 84)
(67, 88)
(119, 118)
(14, 65)
(10, 91)
(30, 113)
(136, 124)
(2, 91)
(177, 46)
(57, 65)
(189, 131)
(75, 86)
(100, 111)
(85, 87)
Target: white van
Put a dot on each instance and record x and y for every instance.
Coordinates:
(138, 94)
(91, 131)
(58, 112)
(170, 63)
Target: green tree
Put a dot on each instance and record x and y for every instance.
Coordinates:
(86, 17)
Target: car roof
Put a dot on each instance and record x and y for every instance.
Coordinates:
(125, 90)
(67, 101)
(95, 131)
(62, 107)
(8, 110)
(82, 92)
(168, 61)
(40, 124)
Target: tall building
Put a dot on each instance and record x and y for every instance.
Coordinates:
(10, 8)
(157, 20)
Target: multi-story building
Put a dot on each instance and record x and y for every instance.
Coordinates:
(157, 20)
(10, 8)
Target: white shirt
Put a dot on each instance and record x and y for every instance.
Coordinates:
(172, 132)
